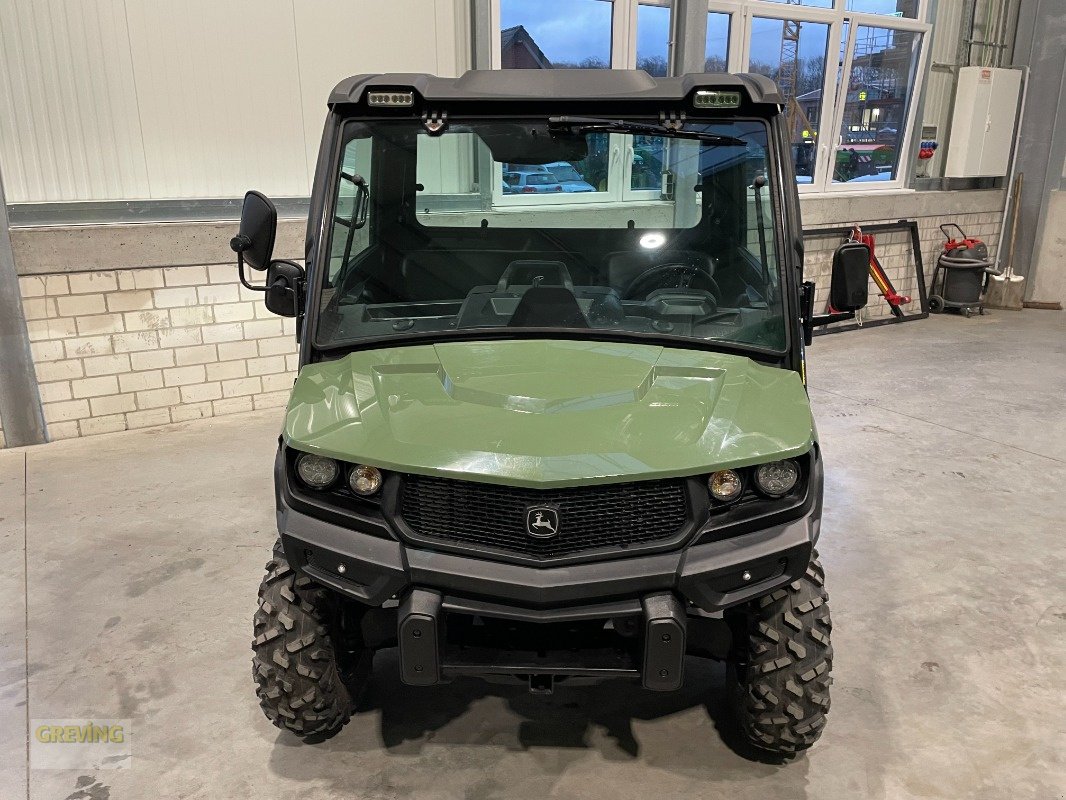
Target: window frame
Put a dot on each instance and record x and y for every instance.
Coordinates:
(856, 21)
(777, 200)
(623, 56)
(779, 11)
(834, 97)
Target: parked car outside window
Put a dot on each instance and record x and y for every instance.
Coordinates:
(530, 183)
(571, 180)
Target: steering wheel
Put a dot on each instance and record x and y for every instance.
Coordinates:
(674, 275)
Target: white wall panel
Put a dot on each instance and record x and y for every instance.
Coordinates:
(69, 127)
(161, 99)
(219, 95)
(940, 84)
(338, 39)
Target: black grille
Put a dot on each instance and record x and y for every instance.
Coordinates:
(617, 515)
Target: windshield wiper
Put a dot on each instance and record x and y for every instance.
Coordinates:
(595, 124)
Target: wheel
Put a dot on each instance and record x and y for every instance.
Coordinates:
(295, 664)
(785, 664)
(936, 304)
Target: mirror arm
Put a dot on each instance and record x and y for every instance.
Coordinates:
(238, 244)
(809, 320)
(244, 280)
(828, 319)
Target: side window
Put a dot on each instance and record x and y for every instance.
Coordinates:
(351, 231)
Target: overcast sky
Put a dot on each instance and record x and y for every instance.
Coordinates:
(572, 30)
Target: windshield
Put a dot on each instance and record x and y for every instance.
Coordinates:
(473, 228)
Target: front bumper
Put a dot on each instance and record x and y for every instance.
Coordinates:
(653, 596)
(711, 576)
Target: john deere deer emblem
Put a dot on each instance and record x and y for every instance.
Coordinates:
(542, 522)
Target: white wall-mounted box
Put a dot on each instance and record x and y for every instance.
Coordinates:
(982, 124)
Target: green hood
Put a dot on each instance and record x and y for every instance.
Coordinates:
(547, 413)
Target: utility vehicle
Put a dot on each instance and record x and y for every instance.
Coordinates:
(548, 438)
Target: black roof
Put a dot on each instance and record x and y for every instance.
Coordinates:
(557, 84)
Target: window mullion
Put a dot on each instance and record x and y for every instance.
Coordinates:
(618, 172)
(910, 120)
(493, 45)
(834, 84)
(840, 101)
(624, 34)
(743, 51)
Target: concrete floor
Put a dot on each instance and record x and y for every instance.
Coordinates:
(943, 543)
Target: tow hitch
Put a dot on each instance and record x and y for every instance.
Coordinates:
(541, 684)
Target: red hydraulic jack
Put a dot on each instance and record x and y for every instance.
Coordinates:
(877, 272)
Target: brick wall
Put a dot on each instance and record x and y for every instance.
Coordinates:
(132, 348)
(895, 252)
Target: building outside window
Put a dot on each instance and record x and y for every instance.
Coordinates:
(555, 34)
(587, 34)
(849, 71)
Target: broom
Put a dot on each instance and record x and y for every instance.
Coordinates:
(1005, 290)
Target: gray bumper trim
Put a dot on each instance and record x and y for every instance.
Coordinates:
(709, 575)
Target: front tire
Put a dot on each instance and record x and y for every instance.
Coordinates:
(295, 666)
(785, 665)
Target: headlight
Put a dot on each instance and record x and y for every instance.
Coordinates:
(318, 472)
(364, 480)
(776, 478)
(725, 485)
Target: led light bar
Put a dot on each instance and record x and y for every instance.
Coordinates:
(709, 99)
(390, 98)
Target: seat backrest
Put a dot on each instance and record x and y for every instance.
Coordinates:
(548, 307)
(436, 275)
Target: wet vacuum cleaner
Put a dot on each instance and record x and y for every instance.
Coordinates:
(961, 274)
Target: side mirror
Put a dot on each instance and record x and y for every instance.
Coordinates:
(849, 290)
(254, 244)
(284, 286)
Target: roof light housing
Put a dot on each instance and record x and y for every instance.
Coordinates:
(707, 98)
(393, 98)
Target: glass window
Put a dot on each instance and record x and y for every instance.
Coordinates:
(546, 34)
(793, 42)
(716, 57)
(875, 110)
(648, 159)
(698, 266)
(812, 3)
(653, 50)
(572, 181)
(351, 219)
(595, 168)
(894, 8)
(794, 54)
(653, 39)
